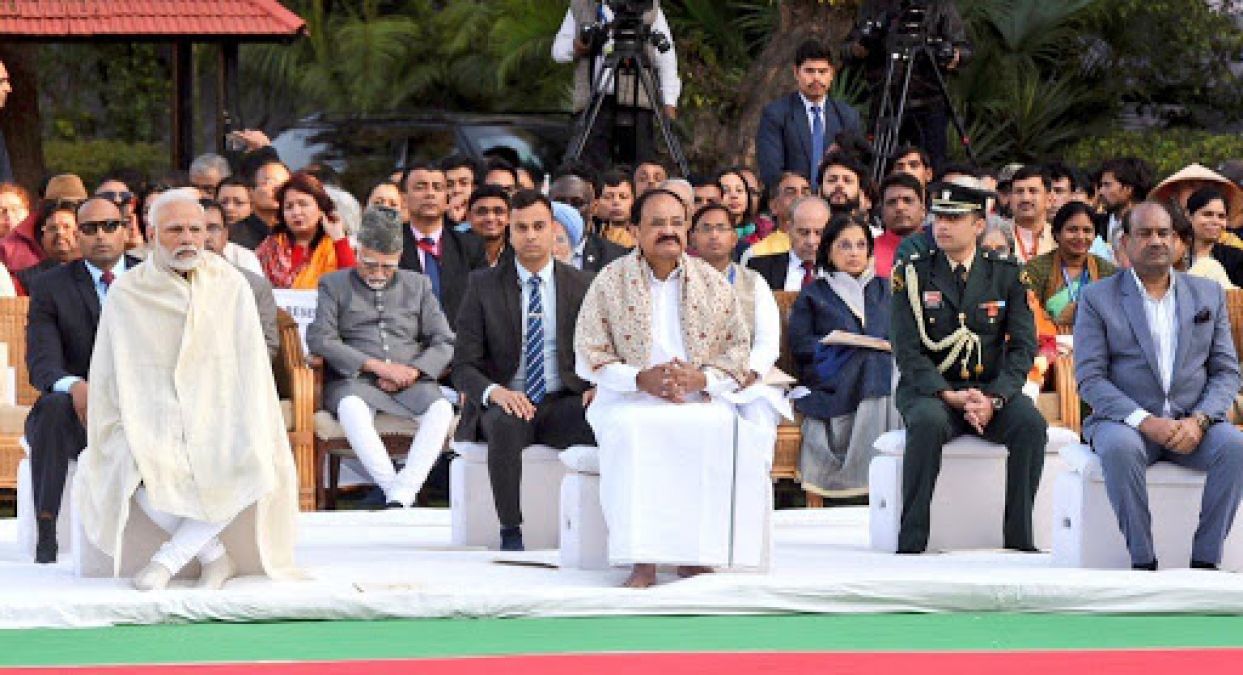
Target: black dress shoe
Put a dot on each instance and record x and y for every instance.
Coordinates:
(394, 505)
(511, 539)
(1148, 566)
(1201, 565)
(46, 549)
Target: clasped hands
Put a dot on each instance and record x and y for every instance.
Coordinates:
(1181, 436)
(976, 406)
(672, 381)
(392, 377)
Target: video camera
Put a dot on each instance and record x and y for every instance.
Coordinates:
(912, 27)
(628, 30)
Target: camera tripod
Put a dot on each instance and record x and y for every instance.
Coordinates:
(891, 112)
(628, 56)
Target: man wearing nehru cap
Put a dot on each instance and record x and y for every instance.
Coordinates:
(184, 419)
(964, 338)
(385, 342)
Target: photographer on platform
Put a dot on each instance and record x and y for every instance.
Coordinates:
(584, 39)
(888, 26)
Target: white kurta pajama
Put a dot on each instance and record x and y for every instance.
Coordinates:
(183, 402)
(680, 484)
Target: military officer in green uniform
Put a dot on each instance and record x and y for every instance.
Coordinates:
(964, 339)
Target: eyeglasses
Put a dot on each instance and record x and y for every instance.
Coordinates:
(847, 247)
(484, 211)
(374, 265)
(116, 197)
(108, 226)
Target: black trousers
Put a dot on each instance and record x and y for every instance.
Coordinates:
(930, 424)
(560, 421)
(56, 437)
(621, 135)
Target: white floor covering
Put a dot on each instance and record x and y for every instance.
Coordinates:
(391, 564)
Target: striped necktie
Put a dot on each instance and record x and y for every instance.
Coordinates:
(534, 347)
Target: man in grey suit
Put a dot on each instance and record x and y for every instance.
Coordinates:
(385, 342)
(1155, 360)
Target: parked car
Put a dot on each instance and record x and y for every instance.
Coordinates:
(365, 149)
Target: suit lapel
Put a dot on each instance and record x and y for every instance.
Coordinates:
(943, 278)
(1185, 311)
(512, 297)
(782, 271)
(802, 127)
(410, 253)
(565, 318)
(86, 288)
(592, 251)
(1133, 309)
(978, 280)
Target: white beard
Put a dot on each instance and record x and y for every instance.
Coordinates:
(169, 260)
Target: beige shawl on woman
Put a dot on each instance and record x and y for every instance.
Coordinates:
(615, 322)
(183, 402)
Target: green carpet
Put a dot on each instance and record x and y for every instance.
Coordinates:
(340, 640)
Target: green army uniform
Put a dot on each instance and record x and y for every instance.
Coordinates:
(982, 337)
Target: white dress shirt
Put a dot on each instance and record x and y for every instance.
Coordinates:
(419, 236)
(1162, 324)
(548, 302)
(664, 63)
(811, 117)
(64, 384)
(794, 274)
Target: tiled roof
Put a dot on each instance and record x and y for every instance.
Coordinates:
(78, 19)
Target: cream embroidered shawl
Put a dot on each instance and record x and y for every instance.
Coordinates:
(182, 400)
(615, 322)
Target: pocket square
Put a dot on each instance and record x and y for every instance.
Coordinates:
(1203, 315)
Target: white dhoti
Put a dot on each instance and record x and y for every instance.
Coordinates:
(682, 484)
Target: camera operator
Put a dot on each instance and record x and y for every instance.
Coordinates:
(885, 27)
(584, 39)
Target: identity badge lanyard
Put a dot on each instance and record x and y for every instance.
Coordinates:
(1073, 291)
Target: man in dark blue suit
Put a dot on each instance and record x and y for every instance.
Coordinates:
(65, 303)
(796, 129)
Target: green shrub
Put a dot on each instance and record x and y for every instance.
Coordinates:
(1168, 150)
(93, 159)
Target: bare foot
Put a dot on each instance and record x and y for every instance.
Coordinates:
(641, 576)
(688, 571)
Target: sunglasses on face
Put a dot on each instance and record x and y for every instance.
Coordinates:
(116, 197)
(108, 226)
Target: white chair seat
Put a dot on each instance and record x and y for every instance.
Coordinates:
(472, 510)
(327, 428)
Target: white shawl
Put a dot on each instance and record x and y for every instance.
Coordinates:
(183, 401)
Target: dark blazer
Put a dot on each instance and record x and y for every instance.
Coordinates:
(249, 232)
(489, 334)
(460, 252)
(819, 311)
(60, 332)
(598, 252)
(773, 268)
(783, 138)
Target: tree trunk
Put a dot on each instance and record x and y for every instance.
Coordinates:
(725, 137)
(19, 119)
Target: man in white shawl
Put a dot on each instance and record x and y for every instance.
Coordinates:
(665, 339)
(184, 419)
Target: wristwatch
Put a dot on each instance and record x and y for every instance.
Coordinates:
(1203, 420)
(998, 402)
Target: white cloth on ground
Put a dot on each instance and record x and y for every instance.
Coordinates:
(188, 538)
(358, 421)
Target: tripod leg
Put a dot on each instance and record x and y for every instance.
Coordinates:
(953, 113)
(879, 115)
(591, 113)
(662, 119)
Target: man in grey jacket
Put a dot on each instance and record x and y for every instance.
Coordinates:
(385, 342)
(1160, 375)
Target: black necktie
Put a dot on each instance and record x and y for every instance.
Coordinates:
(960, 276)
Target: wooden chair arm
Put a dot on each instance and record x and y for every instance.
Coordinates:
(316, 364)
(1067, 392)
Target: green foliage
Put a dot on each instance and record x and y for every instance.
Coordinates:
(119, 90)
(1167, 150)
(92, 159)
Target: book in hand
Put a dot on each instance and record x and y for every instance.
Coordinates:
(848, 339)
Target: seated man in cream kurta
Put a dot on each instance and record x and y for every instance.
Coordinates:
(184, 417)
(665, 339)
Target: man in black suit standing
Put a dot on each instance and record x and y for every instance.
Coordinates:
(514, 357)
(797, 129)
(796, 268)
(65, 303)
(594, 251)
(432, 246)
